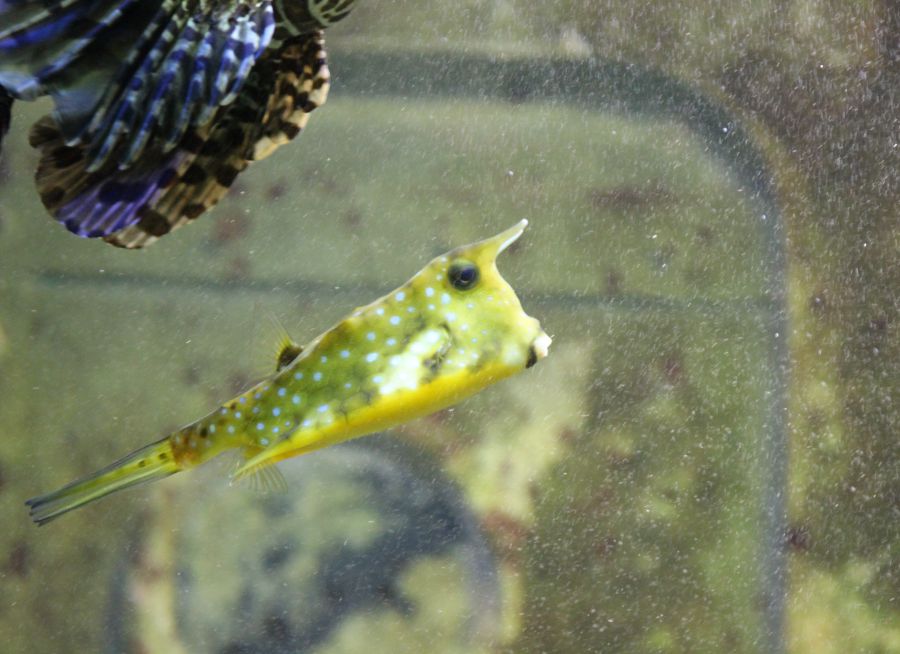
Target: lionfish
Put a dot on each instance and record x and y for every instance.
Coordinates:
(158, 104)
(456, 327)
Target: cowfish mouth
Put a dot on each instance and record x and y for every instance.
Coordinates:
(540, 348)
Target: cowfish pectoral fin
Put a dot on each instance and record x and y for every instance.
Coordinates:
(265, 480)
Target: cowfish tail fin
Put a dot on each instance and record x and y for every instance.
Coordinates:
(6, 101)
(149, 463)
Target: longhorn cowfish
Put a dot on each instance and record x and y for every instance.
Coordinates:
(158, 104)
(453, 329)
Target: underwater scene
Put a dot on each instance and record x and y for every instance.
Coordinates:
(494, 327)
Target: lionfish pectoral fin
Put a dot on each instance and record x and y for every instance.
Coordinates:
(95, 204)
(263, 116)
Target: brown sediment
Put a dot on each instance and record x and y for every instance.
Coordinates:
(17, 562)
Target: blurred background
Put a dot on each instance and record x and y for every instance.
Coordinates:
(707, 461)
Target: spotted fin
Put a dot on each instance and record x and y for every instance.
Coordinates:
(95, 204)
(163, 190)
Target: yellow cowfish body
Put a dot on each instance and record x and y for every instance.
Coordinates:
(454, 328)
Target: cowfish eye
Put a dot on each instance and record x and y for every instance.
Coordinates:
(463, 275)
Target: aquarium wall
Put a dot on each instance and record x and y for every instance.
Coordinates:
(705, 462)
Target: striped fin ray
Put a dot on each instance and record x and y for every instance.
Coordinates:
(197, 62)
(123, 73)
(272, 109)
(111, 127)
(123, 80)
(40, 39)
(24, 21)
(135, 206)
(99, 203)
(244, 44)
(302, 86)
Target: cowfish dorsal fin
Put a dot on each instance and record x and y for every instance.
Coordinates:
(287, 352)
(286, 348)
